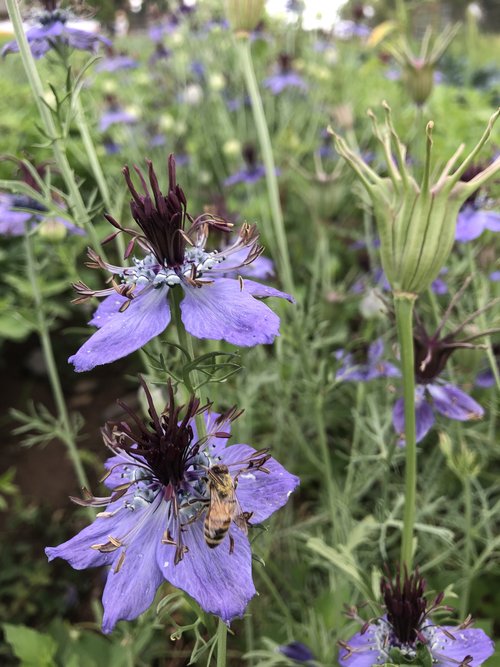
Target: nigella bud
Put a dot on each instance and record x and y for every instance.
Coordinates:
(418, 78)
(343, 116)
(416, 220)
(297, 651)
(52, 229)
(418, 71)
(244, 15)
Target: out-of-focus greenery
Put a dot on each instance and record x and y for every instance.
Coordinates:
(312, 569)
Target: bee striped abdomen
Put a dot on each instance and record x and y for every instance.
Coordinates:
(222, 507)
(215, 531)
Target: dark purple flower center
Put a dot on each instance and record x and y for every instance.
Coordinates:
(358, 12)
(50, 5)
(23, 201)
(285, 63)
(467, 176)
(431, 355)
(433, 352)
(165, 441)
(250, 156)
(52, 14)
(405, 605)
(161, 217)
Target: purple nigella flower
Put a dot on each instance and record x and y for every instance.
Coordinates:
(53, 30)
(110, 146)
(198, 69)
(160, 53)
(472, 222)
(285, 77)
(213, 306)
(215, 24)
(253, 171)
(448, 400)
(13, 220)
(261, 268)
(431, 356)
(246, 175)
(485, 379)
(166, 27)
(154, 526)
(347, 29)
(297, 652)
(406, 634)
(157, 140)
(375, 367)
(115, 115)
(376, 276)
(113, 62)
(235, 103)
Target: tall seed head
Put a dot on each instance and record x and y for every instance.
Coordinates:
(418, 69)
(416, 221)
(244, 15)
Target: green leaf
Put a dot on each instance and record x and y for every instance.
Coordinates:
(33, 648)
(14, 326)
(344, 561)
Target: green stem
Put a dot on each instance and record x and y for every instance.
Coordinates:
(464, 602)
(80, 212)
(403, 305)
(95, 165)
(325, 455)
(221, 643)
(88, 144)
(249, 639)
(402, 15)
(356, 437)
(186, 342)
(279, 235)
(48, 353)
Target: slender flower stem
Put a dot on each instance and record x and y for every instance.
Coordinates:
(221, 643)
(325, 455)
(186, 342)
(80, 212)
(279, 235)
(403, 305)
(249, 638)
(464, 601)
(402, 15)
(95, 165)
(356, 437)
(88, 144)
(43, 331)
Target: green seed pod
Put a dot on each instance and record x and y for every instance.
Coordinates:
(418, 70)
(416, 222)
(244, 15)
(52, 229)
(418, 79)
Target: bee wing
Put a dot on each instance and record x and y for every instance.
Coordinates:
(239, 516)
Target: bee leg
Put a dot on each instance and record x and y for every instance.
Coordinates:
(235, 478)
(231, 544)
(195, 501)
(196, 516)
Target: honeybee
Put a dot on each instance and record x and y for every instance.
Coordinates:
(223, 507)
